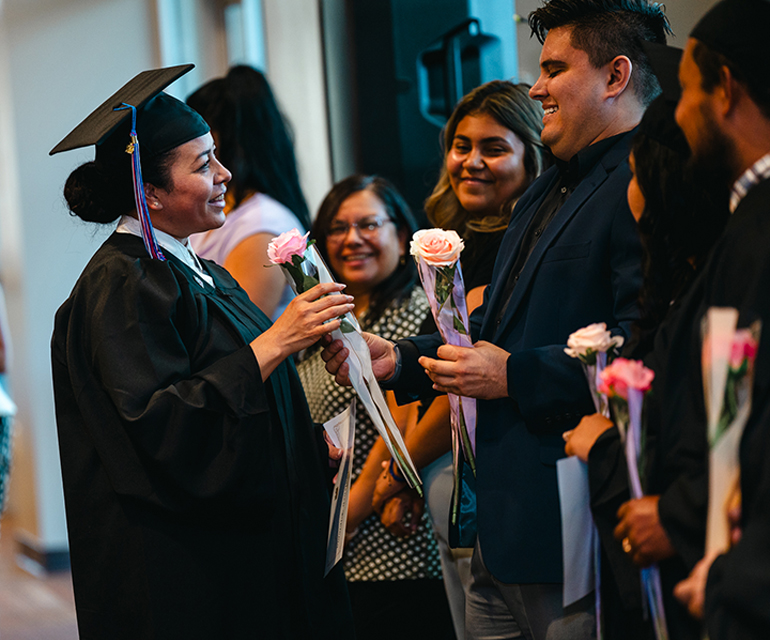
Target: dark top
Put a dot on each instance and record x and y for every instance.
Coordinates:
(478, 257)
(196, 495)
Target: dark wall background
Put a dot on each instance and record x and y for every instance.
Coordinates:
(393, 86)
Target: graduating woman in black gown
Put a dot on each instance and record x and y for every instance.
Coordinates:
(196, 484)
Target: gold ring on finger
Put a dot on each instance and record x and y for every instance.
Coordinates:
(626, 545)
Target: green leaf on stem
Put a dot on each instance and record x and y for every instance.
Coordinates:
(346, 326)
(445, 277)
(459, 326)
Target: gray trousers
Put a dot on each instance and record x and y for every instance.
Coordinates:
(438, 481)
(498, 611)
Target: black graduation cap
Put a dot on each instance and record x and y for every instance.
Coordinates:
(658, 121)
(163, 122)
(738, 30)
(138, 115)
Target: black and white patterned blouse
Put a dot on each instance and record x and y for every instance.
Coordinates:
(374, 553)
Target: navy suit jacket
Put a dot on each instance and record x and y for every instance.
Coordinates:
(585, 268)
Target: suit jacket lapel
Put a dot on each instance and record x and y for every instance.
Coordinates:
(582, 193)
(509, 248)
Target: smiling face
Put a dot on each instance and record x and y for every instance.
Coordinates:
(485, 165)
(364, 259)
(196, 199)
(714, 157)
(693, 109)
(696, 107)
(572, 91)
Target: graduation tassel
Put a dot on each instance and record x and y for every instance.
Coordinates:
(148, 232)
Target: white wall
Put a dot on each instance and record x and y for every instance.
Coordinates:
(62, 59)
(295, 69)
(339, 86)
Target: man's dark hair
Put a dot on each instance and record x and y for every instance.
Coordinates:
(605, 29)
(710, 64)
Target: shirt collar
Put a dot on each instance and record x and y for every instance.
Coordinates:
(181, 250)
(577, 167)
(755, 174)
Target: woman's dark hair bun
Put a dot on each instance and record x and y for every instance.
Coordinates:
(92, 195)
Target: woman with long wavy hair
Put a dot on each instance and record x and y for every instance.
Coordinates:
(492, 153)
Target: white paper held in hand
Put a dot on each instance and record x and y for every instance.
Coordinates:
(342, 433)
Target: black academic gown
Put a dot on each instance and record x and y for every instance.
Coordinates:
(196, 495)
(738, 590)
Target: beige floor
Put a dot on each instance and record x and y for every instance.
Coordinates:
(33, 607)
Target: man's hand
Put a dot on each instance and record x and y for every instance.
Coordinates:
(641, 532)
(477, 372)
(394, 514)
(580, 439)
(691, 592)
(381, 350)
(335, 453)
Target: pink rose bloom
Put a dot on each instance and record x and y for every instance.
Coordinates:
(282, 248)
(439, 248)
(744, 347)
(623, 374)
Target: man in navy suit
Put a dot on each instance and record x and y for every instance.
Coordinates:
(570, 257)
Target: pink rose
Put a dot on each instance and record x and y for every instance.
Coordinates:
(623, 374)
(439, 248)
(744, 347)
(282, 248)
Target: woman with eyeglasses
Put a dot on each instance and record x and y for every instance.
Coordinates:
(362, 231)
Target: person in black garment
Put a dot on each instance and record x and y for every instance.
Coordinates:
(570, 257)
(725, 114)
(195, 483)
(679, 222)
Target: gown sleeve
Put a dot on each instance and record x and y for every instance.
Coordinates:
(169, 396)
(738, 590)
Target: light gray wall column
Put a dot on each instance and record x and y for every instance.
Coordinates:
(62, 59)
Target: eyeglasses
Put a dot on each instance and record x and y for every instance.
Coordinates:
(367, 228)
